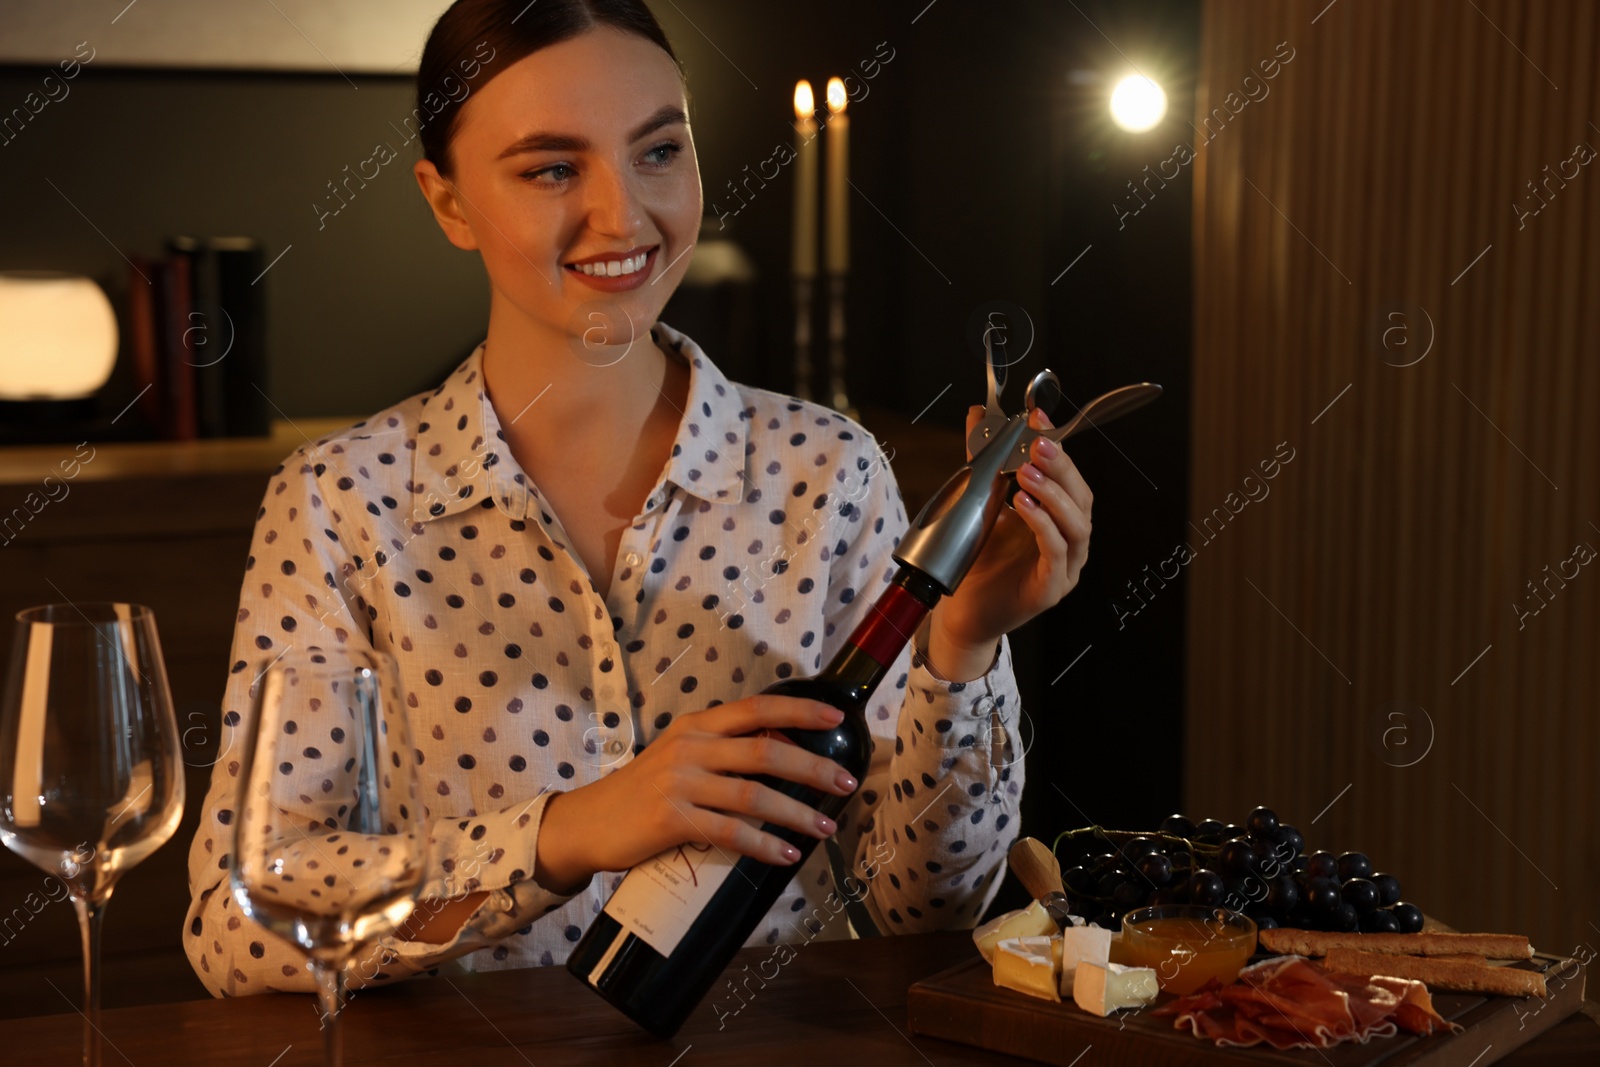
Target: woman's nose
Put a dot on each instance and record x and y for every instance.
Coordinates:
(614, 206)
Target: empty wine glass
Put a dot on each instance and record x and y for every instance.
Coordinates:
(329, 850)
(90, 776)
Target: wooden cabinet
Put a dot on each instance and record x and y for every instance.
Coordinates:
(166, 525)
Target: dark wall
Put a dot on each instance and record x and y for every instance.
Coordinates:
(361, 312)
(984, 167)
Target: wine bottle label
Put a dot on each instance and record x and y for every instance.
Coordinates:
(660, 898)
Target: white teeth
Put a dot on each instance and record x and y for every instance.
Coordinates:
(615, 267)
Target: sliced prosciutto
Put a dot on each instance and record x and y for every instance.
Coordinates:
(1289, 1002)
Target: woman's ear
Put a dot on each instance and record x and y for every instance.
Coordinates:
(440, 193)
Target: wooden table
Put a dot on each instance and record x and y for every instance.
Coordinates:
(833, 997)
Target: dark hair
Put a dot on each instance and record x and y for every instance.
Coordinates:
(476, 39)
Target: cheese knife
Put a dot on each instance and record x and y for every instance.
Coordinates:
(1038, 870)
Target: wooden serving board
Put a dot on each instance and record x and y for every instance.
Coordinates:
(963, 1004)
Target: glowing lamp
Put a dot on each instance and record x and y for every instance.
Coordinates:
(58, 336)
(1137, 103)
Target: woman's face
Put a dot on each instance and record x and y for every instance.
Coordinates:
(576, 156)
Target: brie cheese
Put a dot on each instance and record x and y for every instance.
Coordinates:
(1103, 990)
(1032, 921)
(1028, 965)
(1082, 944)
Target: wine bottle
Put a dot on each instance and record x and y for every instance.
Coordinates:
(675, 921)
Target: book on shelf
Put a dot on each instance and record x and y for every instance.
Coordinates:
(197, 339)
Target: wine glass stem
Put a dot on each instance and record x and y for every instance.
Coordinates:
(330, 993)
(90, 914)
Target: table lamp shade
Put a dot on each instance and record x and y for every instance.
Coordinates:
(58, 336)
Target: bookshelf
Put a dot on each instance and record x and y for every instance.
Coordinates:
(923, 455)
(29, 464)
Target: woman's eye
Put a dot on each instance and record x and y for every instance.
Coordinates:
(662, 154)
(659, 157)
(555, 174)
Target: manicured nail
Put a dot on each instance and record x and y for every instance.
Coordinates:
(1030, 473)
(825, 824)
(833, 716)
(847, 783)
(790, 853)
(1047, 448)
(1025, 500)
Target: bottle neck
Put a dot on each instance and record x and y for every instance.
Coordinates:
(889, 624)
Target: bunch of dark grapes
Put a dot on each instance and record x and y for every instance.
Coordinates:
(1259, 867)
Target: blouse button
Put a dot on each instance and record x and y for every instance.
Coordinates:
(631, 559)
(614, 746)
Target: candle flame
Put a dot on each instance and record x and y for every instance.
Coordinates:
(836, 95)
(805, 103)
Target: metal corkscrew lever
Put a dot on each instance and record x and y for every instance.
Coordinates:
(948, 533)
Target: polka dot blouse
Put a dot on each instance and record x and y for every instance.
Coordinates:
(759, 549)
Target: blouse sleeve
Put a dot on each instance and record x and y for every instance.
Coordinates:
(296, 592)
(931, 825)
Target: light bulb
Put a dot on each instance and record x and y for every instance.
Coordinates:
(1137, 103)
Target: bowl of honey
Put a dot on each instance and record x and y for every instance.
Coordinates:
(1188, 944)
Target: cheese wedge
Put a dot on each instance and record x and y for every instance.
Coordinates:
(1103, 990)
(1081, 944)
(1028, 965)
(1032, 921)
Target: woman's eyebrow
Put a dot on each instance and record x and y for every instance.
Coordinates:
(570, 142)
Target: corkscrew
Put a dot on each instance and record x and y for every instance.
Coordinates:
(949, 532)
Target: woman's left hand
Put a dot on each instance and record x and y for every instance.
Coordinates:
(1031, 560)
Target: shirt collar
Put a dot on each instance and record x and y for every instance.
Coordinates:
(708, 455)
(461, 458)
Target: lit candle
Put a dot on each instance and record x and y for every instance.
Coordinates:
(805, 181)
(838, 208)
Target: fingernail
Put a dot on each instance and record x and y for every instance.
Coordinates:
(834, 716)
(1024, 499)
(1047, 448)
(1030, 473)
(825, 824)
(847, 783)
(791, 853)
(1044, 417)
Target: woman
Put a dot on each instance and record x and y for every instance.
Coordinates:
(587, 549)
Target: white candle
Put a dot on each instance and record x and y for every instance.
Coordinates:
(805, 181)
(838, 206)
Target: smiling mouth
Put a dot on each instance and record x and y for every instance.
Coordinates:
(614, 266)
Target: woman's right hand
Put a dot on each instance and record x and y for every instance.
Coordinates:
(681, 788)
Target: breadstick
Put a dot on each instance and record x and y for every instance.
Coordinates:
(1438, 974)
(1287, 941)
